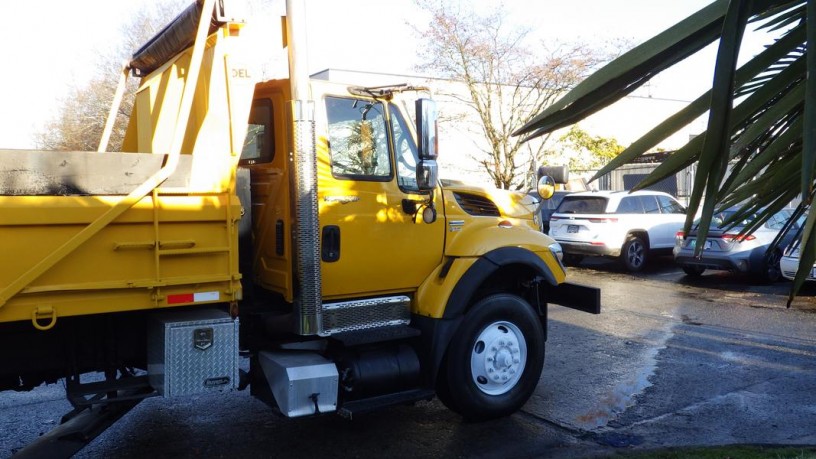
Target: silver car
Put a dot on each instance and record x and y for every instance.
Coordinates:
(726, 250)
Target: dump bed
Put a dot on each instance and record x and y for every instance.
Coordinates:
(154, 227)
(164, 250)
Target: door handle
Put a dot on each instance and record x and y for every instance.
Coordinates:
(330, 249)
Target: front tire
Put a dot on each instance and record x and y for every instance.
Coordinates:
(495, 359)
(634, 253)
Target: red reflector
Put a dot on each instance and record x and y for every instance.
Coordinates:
(680, 235)
(505, 224)
(181, 298)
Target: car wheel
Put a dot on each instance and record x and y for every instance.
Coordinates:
(633, 253)
(494, 360)
(771, 271)
(693, 271)
(571, 259)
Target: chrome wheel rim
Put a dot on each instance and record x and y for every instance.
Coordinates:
(498, 358)
(634, 254)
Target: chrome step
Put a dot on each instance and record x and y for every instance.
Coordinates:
(364, 314)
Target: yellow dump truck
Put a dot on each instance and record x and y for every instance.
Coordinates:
(295, 223)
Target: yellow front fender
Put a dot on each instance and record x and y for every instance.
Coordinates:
(448, 290)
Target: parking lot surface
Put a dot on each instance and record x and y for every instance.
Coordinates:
(671, 361)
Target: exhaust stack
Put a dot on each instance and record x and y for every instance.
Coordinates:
(308, 302)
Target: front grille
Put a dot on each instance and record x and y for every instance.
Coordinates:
(477, 205)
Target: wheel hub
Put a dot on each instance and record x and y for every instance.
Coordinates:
(498, 358)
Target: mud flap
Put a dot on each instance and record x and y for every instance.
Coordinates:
(573, 296)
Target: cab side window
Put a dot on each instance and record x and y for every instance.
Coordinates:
(259, 143)
(405, 151)
(358, 144)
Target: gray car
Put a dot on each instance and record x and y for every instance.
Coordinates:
(726, 250)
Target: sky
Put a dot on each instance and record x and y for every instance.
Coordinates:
(49, 45)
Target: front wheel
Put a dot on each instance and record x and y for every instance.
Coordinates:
(494, 361)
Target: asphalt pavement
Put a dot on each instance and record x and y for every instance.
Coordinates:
(670, 362)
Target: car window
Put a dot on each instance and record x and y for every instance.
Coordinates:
(719, 220)
(630, 205)
(582, 205)
(669, 205)
(553, 202)
(779, 219)
(649, 204)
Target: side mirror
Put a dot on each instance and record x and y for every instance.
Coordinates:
(427, 175)
(546, 187)
(426, 129)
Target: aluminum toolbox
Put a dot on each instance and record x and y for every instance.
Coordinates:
(303, 383)
(192, 352)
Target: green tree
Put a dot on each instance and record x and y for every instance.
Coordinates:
(759, 150)
(506, 81)
(585, 151)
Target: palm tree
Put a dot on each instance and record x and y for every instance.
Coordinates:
(759, 149)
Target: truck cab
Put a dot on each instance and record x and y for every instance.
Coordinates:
(401, 256)
(368, 197)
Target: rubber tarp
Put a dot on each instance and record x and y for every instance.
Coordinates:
(174, 38)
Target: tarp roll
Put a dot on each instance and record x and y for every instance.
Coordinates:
(175, 37)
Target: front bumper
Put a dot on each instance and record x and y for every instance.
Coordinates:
(584, 248)
(573, 296)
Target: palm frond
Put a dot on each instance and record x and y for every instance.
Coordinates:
(758, 152)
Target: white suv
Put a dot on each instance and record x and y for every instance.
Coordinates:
(617, 224)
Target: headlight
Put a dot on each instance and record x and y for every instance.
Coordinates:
(555, 248)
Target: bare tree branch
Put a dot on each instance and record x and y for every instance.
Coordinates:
(505, 81)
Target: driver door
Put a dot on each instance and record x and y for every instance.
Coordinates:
(372, 240)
